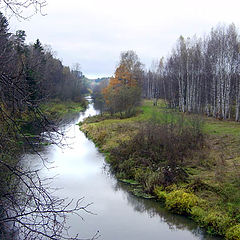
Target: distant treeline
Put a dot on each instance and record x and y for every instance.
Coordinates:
(201, 75)
(31, 74)
(99, 80)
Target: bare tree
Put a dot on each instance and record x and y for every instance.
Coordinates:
(201, 75)
(18, 7)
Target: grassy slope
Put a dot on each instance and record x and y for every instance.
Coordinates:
(214, 174)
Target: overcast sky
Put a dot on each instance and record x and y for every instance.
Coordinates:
(94, 32)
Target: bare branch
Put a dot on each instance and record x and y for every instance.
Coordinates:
(17, 7)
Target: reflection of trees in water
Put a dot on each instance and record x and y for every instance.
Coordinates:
(98, 105)
(59, 137)
(33, 158)
(69, 118)
(156, 209)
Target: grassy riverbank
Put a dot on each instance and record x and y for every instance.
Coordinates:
(25, 128)
(207, 189)
(54, 111)
(57, 109)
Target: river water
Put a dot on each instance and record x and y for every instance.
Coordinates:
(80, 171)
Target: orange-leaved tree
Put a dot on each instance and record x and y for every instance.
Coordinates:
(123, 92)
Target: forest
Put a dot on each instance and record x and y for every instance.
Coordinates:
(201, 75)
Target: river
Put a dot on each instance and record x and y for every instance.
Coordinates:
(80, 171)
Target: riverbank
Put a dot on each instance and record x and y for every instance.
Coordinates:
(21, 133)
(209, 192)
(56, 109)
(25, 128)
(53, 111)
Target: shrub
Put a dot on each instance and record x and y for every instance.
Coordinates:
(162, 195)
(181, 202)
(127, 167)
(153, 179)
(140, 175)
(162, 148)
(217, 222)
(198, 214)
(233, 233)
(233, 210)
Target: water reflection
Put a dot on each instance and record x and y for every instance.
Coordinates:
(155, 209)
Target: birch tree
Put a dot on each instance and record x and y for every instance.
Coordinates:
(201, 75)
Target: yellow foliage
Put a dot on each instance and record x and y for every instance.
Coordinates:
(122, 78)
(181, 202)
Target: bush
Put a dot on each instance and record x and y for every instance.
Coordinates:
(140, 175)
(233, 210)
(181, 202)
(162, 148)
(198, 214)
(127, 167)
(162, 195)
(152, 180)
(217, 222)
(233, 233)
(148, 178)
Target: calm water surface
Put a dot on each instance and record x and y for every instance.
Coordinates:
(80, 171)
